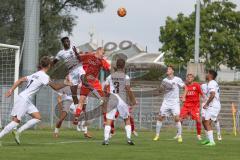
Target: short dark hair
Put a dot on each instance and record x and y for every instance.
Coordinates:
(64, 38)
(171, 66)
(213, 73)
(120, 63)
(45, 61)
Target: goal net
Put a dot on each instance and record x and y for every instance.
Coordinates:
(9, 73)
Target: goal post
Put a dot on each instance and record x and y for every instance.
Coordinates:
(9, 73)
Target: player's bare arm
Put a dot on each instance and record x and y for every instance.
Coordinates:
(211, 97)
(131, 95)
(15, 85)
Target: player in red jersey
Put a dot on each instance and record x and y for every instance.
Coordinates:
(191, 106)
(93, 63)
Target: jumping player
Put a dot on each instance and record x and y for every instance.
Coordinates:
(171, 102)
(119, 84)
(95, 62)
(23, 104)
(76, 72)
(212, 106)
(191, 106)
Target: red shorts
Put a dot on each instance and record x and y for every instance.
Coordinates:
(190, 109)
(84, 91)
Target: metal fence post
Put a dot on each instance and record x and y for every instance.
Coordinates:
(140, 110)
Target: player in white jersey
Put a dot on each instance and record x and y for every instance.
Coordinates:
(217, 123)
(171, 102)
(65, 104)
(212, 106)
(119, 85)
(76, 72)
(23, 104)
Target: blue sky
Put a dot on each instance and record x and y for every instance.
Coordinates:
(140, 25)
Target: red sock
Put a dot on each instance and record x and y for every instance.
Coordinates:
(78, 112)
(132, 123)
(112, 127)
(199, 127)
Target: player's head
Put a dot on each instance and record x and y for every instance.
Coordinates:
(170, 70)
(120, 64)
(189, 78)
(211, 75)
(45, 63)
(100, 52)
(65, 42)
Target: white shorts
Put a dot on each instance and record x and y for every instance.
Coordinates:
(75, 75)
(170, 108)
(22, 107)
(121, 107)
(211, 113)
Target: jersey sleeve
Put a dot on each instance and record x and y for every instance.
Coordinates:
(211, 86)
(199, 89)
(29, 77)
(105, 65)
(58, 56)
(180, 82)
(46, 80)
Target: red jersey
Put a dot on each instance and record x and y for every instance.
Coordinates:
(92, 65)
(193, 92)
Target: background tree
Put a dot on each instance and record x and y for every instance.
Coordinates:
(219, 32)
(56, 18)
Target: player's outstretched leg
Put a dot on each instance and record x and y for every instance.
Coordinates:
(179, 129)
(158, 127)
(8, 128)
(209, 133)
(217, 125)
(36, 118)
(59, 124)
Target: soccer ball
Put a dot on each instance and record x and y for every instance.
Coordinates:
(122, 12)
(72, 108)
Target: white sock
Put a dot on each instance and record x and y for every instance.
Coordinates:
(128, 131)
(217, 125)
(85, 129)
(179, 128)
(27, 125)
(8, 128)
(210, 136)
(206, 134)
(56, 130)
(107, 130)
(158, 127)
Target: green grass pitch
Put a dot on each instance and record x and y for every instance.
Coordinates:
(71, 145)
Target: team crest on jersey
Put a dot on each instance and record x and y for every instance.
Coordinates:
(194, 88)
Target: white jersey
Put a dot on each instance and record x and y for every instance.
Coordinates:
(173, 94)
(118, 82)
(65, 93)
(213, 87)
(34, 83)
(69, 57)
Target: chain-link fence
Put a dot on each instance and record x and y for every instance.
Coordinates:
(145, 112)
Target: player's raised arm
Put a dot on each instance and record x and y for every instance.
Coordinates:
(57, 86)
(15, 85)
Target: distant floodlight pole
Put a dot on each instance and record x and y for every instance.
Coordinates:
(197, 33)
(31, 34)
